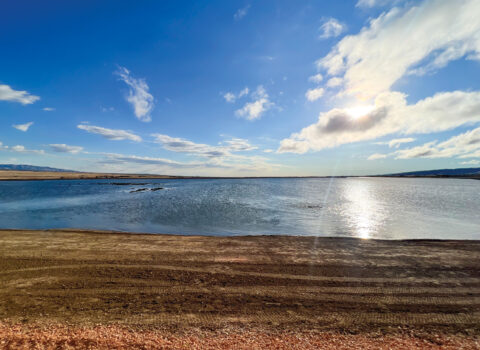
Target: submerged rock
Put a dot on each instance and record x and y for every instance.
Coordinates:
(138, 190)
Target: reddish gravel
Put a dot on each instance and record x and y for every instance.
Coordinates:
(116, 337)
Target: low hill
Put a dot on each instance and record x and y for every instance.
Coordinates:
(441, 172)
(24, 167)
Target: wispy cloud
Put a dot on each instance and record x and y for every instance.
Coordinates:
(138, 95)
(465, 145)
(230, 97)
(20, 149)
(374, 3)
(111, 134)
(377, 156)
(396, 142)
(255, 109)
(471, 162)
(23, 127)
(331, 28)
(242, 12)
(177, 144)
(385, 51)
(63, 148)
(48, 109)
(23, 97)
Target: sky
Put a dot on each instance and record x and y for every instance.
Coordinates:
(240, 88)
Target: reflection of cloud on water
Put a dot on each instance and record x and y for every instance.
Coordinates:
(54, 202)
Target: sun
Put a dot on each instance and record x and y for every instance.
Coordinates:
(359, 111)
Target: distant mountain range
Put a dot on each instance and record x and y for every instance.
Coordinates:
(23, 167)
(441, 172)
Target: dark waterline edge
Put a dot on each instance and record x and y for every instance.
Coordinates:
(339, 238)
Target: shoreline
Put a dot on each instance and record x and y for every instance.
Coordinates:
(14, 175)
(134, 234)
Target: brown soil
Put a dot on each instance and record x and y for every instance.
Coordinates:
(300, 289)
(53, 175)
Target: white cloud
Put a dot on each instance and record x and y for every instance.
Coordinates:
(389, 115)
(465, 145)
(23, 127)
(471, 162)
(230, 97)
(314, 94)
(374, 3)
(177, 144)
(48, 109)
(331, 28)
(241, 13)
(126, 159)
(334, 82)
(63, 148)
(416, 39)
(138, 95)
(376, 156)
(317, 78)
(23, 97)
(255, 109)
(111, 134)
(396, 142)
(22, 149)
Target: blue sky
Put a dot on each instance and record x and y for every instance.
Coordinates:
(241, 88)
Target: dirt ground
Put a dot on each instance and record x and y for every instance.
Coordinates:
(304, 290)
(53, 175)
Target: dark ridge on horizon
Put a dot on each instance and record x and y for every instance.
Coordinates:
(457, 172)
(440, 172)
(25, 167)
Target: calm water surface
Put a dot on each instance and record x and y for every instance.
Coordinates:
(356, 207)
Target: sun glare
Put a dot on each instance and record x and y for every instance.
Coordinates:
(359, 111)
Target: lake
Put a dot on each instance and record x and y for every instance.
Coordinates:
(385, 208)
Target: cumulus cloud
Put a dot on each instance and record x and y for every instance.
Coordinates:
(63, 148)
(331, 28)
(241, 13)
(259, 105)
(23, 97)
(111, 134)
(23, 127)
(389, 115)
(138, 95)
(314, 94)
(405, 40)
